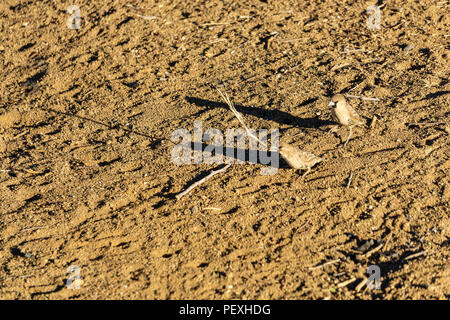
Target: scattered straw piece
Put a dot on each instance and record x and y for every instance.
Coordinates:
(31, 171)
(199, 182)
(218, 40)
(349, 181)
(370, 252)
(147, 17)
(212, 208)
(415, 255)
(346, 283)
(324, 264)
(361, 284)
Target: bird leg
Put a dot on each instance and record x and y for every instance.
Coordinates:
(307, 171)
(349, 135)
(333, 129)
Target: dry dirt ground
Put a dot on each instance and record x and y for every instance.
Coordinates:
(87, 183)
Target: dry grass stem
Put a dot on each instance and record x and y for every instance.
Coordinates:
(415, 255)
(349, 181)
(199, 182)
(361, 284)
(362, 98)
(346, 283)
(324, 264)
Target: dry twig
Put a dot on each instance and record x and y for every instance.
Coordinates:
(346, 283)
(361, 284)
(199, 182)
(415, 255)
(146, 17)
(349, 181)
(324, 264)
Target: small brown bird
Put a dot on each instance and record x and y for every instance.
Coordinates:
(343, 113)
(299, 159)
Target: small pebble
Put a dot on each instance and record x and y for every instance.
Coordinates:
(408, 47)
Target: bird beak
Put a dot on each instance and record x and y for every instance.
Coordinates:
(331, 104)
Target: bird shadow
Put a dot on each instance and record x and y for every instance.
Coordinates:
(241, 155)
(278, 116)
(225, 155)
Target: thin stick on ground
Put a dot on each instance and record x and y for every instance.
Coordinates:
(239, 117)
(346, 283)
(370, 252)
(361, 284)
(415, 255)
(340, 66)
(31, 171)
(349, 181)
(147, 17)
(199, 182)
(218, 40)
(378, 247)
(212, 208)
(324, 264)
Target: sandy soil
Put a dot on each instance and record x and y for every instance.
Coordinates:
(87, 181)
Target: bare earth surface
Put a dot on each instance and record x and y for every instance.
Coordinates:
(87, 181)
